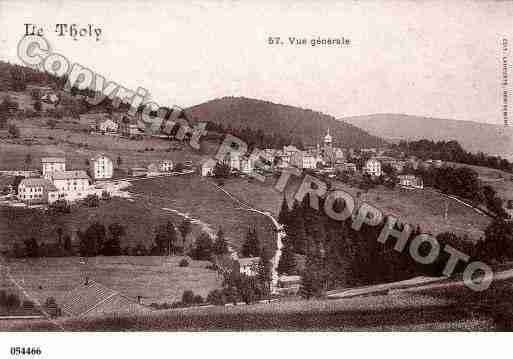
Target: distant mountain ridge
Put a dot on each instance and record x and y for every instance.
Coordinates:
(473, 136)
(306, 125)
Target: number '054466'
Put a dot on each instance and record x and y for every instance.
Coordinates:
(25, 351)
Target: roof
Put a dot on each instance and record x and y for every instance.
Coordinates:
(94, 298)
(248, 261)
(38, 182)
(209, 163)
(53, 159)
(70, 175)
(98, 156)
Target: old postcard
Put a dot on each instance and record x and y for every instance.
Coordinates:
(300, 166)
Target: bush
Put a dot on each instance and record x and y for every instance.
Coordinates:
(14, 131)
(3, 298)
(184, 263)
(106, 195)
(216, 297)
(12, 301)
(92, 200)
(188, 297)
(198, 299)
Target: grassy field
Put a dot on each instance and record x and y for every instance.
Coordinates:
(423, 207)
(157, 279)
(79, 146)
(198, 198)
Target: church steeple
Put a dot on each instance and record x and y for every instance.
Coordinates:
(328, 139)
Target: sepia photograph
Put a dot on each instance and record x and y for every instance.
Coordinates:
(276, 169)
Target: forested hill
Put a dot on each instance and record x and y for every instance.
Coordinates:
(304, 126)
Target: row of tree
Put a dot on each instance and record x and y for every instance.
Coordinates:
(453, 152)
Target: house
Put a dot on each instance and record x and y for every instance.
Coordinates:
(246, 165)
(289, 150)
(52, 165)
(372, 167)
(249, 266)
(107, 125)
(283, 161)
(411, 181)
(37, 191)
(346, 167)
(50, 98)
(94, 299)
(153, 169)
(138, 172)
(101, 167)
(128, 127)
(232, 159)
(303, 160)
(207, 167)
(71, 184)
(165, 166)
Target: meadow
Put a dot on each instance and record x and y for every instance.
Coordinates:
(157, 279)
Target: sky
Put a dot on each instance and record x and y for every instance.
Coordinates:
(425, 58)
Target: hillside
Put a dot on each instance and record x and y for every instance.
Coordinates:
(473, 136)
(299, 124)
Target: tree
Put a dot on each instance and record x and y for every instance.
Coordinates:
(284, 214)
(38, 105)
(92, 200)
(220, 245)
(59, 232)
(221, 170)
(216, 297)
(185, 228)
(92, 240)
(52, 123)
(203, 247)
(251, 247)
(18, 79)
(28, 160)
(188, 297)
(31, 248)
(165, 238)
(13, 130)
(112, 246)
(287, 264)
(60, 206)
(264, 272)
(67, 244)
(16, 182)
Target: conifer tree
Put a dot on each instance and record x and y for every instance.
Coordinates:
(251, 247)
(287, 264)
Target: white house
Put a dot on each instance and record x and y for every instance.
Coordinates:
(372, 167)
(246, 165)
(71, 184)
(232, 159)
(249, 266)
(303, 160)
(37, 190)
(411, 181)
(52, 165)
(107, 125)
(207, 167)
(165, 166)
(102, 167)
